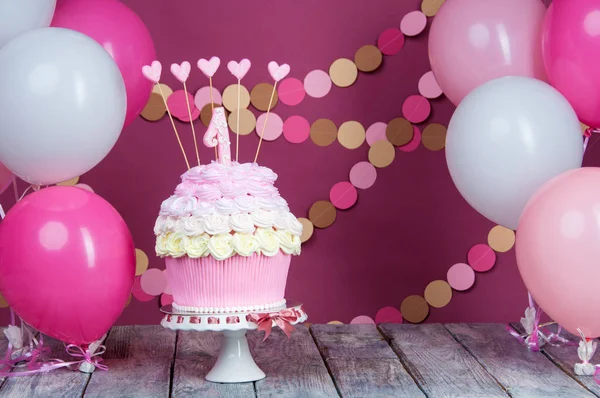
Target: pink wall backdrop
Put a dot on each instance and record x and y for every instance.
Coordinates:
(404, 232)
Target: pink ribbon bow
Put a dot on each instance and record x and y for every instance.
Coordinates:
(283, 319)
(588, 133)
(94, 359)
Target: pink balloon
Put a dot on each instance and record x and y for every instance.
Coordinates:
(558, 252)
(6, 178)
(571, 48)
(67, 263)
(474, 41)
(123, 35)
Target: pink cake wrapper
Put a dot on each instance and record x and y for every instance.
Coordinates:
(235, 282)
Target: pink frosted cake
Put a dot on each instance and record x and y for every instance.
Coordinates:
(226, 234)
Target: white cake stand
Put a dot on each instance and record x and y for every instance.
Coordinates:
(234, 363)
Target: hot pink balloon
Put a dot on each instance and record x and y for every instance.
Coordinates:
(558, 252)
(6, 178)
(474, 41)
(123, 35)
(67, 263)
(571, 48)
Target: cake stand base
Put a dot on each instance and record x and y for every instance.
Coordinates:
(234, 363)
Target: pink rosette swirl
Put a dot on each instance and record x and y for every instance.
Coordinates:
(185, 188)
(261, 190)
(178, 206)
(246, 203)
(268, 203)
(230, 189)
(204, 209)
(207, 192)
(266, 173)
(214, 173)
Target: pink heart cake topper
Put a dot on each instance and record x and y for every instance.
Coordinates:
(153, 71)
(278, 72)
(209, 68)
(240, 69)
(181, 72)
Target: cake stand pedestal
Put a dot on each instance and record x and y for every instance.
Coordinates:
(234, 363)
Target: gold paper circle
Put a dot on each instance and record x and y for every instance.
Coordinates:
(141, 262)
(343, 72)
(434, 137)
(247, 121)
(261, 95)
(3, 303)
(501, 239)
(368, 58)
(335, 323)
(431, 7)
(166, 90)
(323, 132)
(69, 183)
(322, 214)
(307, 229)
(351, 134)
(381, 153)
(414, 309)
(230, 97)
(438, 294)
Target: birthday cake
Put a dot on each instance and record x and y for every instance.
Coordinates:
(226, 234)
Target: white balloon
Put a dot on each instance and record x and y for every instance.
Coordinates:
(505, 140)
(62, 105)
(20, 16)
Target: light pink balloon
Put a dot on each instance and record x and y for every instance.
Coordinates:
(474, 41)
(6, 178)
(558, 252)
(67, 263)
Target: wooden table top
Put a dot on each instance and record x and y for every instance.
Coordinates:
(428, 360)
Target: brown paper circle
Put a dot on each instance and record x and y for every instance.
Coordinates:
(141, 262)
(501, 239)
(3, 303)
(69, 183)
(261, 95)
(343, 72)
(381, 154)
(247, 121)
(431, 7)
(323, 132)
(434, 137)
(399, 131)
(206, 113)
(322, 214)
(368, 58)
(438, 294)
(155, 108)
(230, 97)
(307, 229)
(167, 91)
(351, 134)
(414, 309)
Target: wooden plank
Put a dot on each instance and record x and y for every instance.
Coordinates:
(441, 366)
(521, 372)
(294, 367)
(196, 354)
(566, 357)
(362, 363)
(139, 360)
(57, 383)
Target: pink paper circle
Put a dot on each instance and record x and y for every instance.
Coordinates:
(291, 91)
(413, 23)
(343, 195)
(153, 281)
(168, 287)
(178, 106)
(390, 41)
(362, 320)
(84, 186)
(461, 277)
(481, 258)
(137, 291)
(363, 175)
(414, 143)
(376, 132)
(416, 108)
(296, 129)
(166, 299)
(429, 87)
(388, 315)
(274, 126)
(202, 97)
(317, 83)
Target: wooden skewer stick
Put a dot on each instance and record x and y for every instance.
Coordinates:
(212, 108)
(262, 133)
(237, 124)
(187, 101)
(162, 94)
